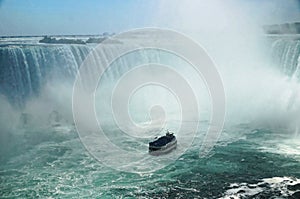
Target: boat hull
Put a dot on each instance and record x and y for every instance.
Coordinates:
(164, 149)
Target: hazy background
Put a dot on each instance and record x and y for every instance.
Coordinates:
(34, 17)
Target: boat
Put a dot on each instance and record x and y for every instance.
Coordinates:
(163, 144)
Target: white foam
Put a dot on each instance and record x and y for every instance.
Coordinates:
(241, 190)
(288, 147)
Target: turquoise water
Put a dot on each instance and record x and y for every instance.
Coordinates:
(41, 155)
(53, 163)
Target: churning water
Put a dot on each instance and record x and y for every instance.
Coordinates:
(256, 156)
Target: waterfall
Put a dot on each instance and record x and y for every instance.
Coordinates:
(286, 56)
(24, 69)
(297, 71)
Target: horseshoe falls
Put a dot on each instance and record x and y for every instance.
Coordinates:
(42, 156)
(257, 155)
(28, 66)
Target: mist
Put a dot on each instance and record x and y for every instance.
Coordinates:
(78, 118)
(232, 34)
(257, 92)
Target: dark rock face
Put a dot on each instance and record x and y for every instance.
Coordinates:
(287, 28)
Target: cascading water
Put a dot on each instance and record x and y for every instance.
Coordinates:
(286, 55)
(26, 68)
(48, 160)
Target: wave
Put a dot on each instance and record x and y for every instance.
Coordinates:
(266, 188)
